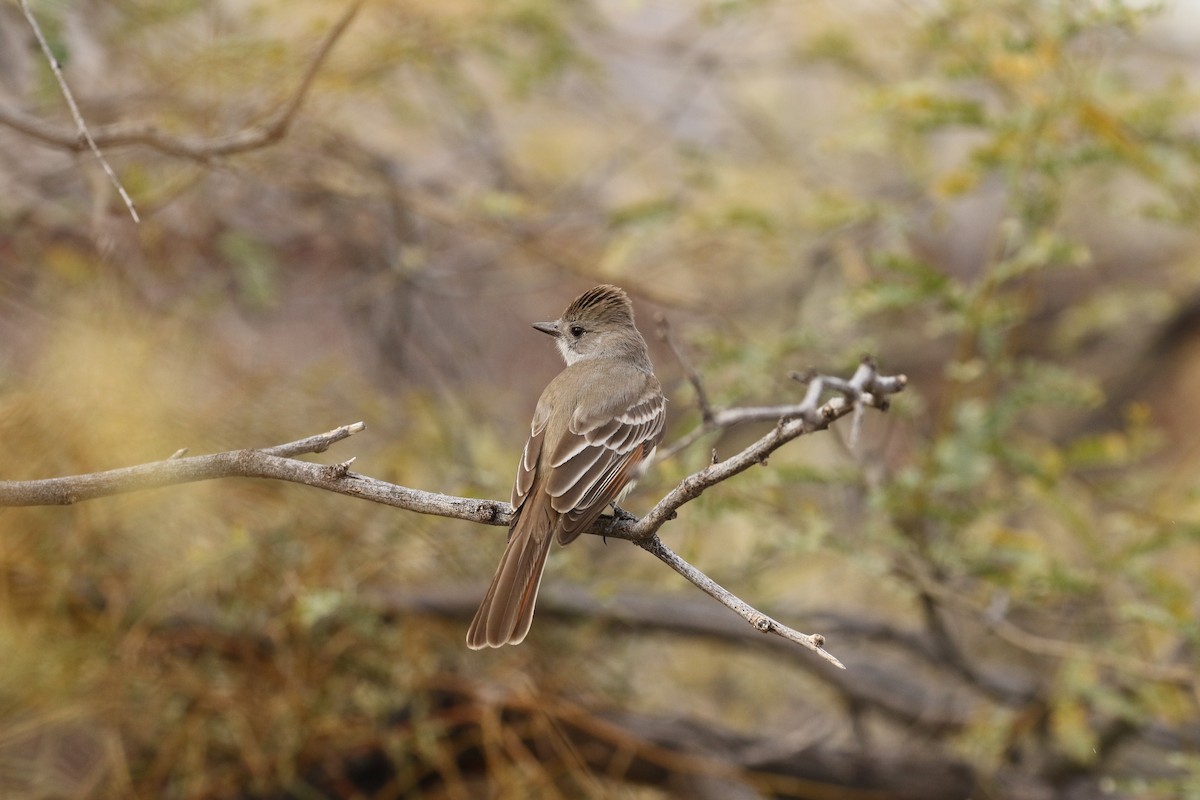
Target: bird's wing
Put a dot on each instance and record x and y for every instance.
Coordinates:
(598, 455)
(527, 466)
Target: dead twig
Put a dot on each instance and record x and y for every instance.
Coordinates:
(663, 328)
(866, 388)
(80, 125)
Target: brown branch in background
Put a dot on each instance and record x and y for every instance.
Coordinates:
(995, 621)
(556, 742)
(866, 387)
(663, 327)
(80, 125)
(904, 694)
(681, 756)
(192, 147)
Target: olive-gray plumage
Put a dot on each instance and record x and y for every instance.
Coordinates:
(596, 425)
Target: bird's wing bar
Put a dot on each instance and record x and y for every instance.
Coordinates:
(592, 466)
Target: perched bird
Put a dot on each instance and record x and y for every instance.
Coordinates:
(594, 431)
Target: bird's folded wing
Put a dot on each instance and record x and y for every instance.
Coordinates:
(596, 458)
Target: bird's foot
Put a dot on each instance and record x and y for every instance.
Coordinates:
(621, 514)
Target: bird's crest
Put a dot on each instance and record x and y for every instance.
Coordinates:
(603, 302)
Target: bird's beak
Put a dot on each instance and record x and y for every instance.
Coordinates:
(547, 327)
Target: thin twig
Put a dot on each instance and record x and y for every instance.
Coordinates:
(865, 381)
(80, 125)
(664, 332)
(866, 388)
(760, 621)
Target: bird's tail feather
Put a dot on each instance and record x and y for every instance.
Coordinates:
(506, 612)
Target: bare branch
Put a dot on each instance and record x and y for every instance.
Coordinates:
(273, 462)
(760, 621)
(865, 388)
(80, 125)
(191, 147)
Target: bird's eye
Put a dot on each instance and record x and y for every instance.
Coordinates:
(577, 331)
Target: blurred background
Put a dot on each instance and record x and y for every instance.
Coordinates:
(998, 199)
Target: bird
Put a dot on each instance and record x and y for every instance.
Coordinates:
(594, 431)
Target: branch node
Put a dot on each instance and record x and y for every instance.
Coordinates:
(487, 512)
(338, 471)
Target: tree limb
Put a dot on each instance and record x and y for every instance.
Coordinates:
(923, 694)
(865, 381)
(757, 619)
(865, 388)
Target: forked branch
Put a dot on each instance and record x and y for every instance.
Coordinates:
(866, 388)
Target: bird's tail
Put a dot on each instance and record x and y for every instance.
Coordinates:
(506, 612)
